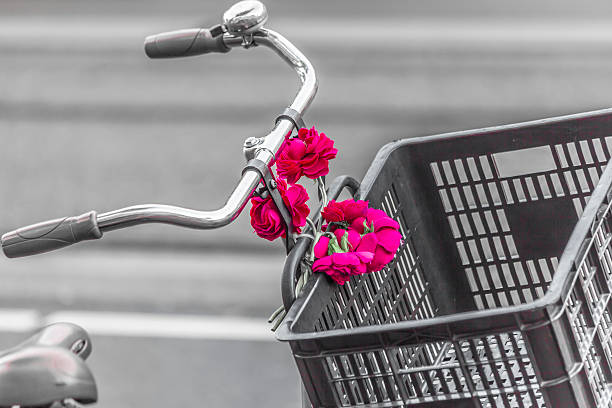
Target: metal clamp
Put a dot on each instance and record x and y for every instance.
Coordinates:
(272, 188)
(294, 116)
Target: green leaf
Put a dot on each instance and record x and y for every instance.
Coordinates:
(367, 228)
(334, 247)
(344, 242)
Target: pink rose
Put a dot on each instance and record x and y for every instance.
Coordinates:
(387, 234)
(353, 239)
(333, 212)
(288, 163)
(354, 209)
(308, 154)
(364, 222)
(267, 220)
(346, 210)
(295, 198)
(321, 247)
(340, 266)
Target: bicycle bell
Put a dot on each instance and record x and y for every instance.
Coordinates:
(245, 17)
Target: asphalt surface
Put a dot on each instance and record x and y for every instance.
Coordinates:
(157, 372)
(168, 329)
(87, 122)
(212, 283)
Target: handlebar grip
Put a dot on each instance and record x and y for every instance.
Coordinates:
(50, 235)
(184, 43)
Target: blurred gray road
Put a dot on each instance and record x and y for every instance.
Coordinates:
(168, 329)
(87, 122)
(153, 372)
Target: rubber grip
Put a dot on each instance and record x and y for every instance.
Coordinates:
(50, 235)
(183, 43)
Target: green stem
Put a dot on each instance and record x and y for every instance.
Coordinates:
(311, 225)
(321, 185)
(278, 322)
(276, 313)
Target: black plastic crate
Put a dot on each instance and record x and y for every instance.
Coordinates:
(486, 304)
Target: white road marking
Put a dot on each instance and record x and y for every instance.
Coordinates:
(166, 325)
(19, 320)
(143, 324)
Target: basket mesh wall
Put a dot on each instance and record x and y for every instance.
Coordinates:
(483, 198)
(496, 368)
(588, 309)
(396, 293)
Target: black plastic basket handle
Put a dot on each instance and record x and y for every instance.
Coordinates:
(292, 264)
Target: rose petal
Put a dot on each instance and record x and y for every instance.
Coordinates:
(288, 168)
(365, 257)
(295, 149)
(322, 263)
(357, 224)
(375, 214)
(386, 222)
(265, 219)
(295, 198)
(317, 169)
(339, 233)
(389, 239)
(321, 248)
(333, 212)
(355, 209)
(368, 243)
(345, 258)
(380, 260)
(354, 238)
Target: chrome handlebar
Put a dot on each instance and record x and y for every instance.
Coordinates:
(244, 30)
(266, 151)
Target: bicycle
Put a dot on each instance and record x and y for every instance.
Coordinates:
(484, 305)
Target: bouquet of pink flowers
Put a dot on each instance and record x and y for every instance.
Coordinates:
(307, 154)
(350, 239)
(362, 240)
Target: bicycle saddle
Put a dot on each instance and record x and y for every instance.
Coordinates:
(65, 335)
(46, 368)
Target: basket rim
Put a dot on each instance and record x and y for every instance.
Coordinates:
(559, 287)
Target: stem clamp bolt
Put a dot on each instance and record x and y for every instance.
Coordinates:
(252, 142)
